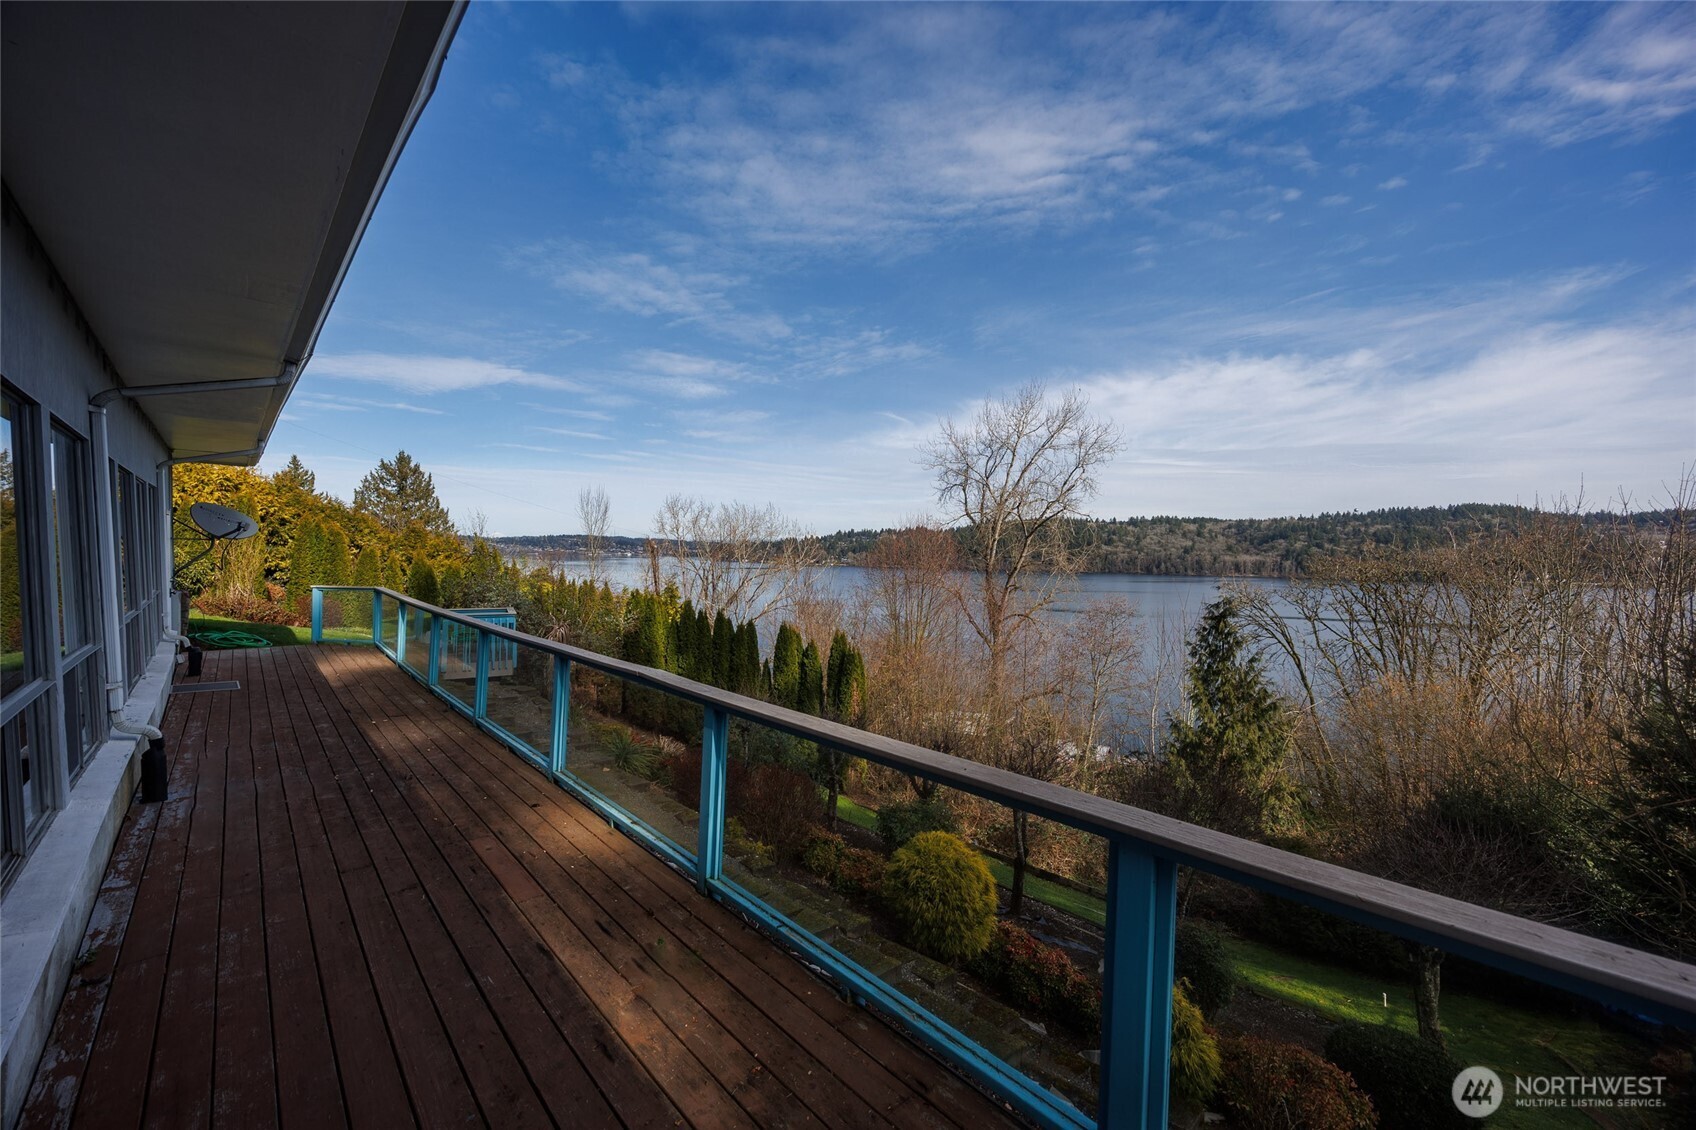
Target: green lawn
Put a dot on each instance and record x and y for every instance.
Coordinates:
(1508, 1038)
(278, 635)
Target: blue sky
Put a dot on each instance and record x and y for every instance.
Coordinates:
(1306, 258)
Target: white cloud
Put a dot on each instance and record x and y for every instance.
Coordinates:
(638, 283)
(332, 403)
(1334, 201)
(1394, 183)
(888, 127)
(1539, 410)
(429, 374)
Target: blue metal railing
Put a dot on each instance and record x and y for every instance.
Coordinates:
(1144, 852)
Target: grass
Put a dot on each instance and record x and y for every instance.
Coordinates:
(1509, 1038)
(278, 635)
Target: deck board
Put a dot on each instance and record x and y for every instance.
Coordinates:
(357, 909)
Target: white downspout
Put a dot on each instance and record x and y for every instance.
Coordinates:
(116, 685)
(112, 612)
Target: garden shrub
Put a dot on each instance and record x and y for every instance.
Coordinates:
(1204, 962)
(1039, 977)
(942, 893)
(1267, 1085)
(860, 873)
(628, 752)
(1408, 1078)
(899, 822)
(779, 806)
(739, 845)
(1195, 1054)
(823, 855)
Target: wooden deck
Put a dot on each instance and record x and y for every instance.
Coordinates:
(356, 909)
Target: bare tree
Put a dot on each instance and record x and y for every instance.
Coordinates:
(1011, 477)
(1100, 647)
(736, 558)
(594, 509)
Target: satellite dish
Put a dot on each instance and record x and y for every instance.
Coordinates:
(220, 523)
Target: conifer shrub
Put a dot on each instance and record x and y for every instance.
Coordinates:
(1039, 978)
(421, 583)
(1407, 1078)
(1204, 962)
(942, 893)
(899, 822)
(1196, 1067)
(1267, 1085)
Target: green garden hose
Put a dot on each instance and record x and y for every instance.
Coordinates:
(230, 639)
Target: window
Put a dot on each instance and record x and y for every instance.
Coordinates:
(133, 503)
(26, 635)
(16, 657)
(80, 668)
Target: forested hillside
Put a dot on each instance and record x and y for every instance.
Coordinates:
(1229, 547)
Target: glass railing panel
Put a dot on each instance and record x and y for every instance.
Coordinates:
(417, 653)
(1271, 971)
(931, 920)
(391, 614)
(347, 616)
(639, 750)
(456, 663)
(521, 692)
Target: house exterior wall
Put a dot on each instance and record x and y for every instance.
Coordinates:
(80, 769)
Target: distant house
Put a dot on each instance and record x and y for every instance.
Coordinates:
(184, 186)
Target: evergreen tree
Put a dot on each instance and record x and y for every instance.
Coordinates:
(394, 573)
(809, 694)
(786, 667)
(844, 696)
(307, 559)
(1648, 848)
(688, 645)
(335, 569)
(747, 659)
(1226, 759)
(296, 475)
(421, 583)
(845, 681)
(724, 650)
(399, 493)
(453, 588)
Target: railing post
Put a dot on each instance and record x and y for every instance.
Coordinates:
(317, 614)
(400, 633)
(482, 698)
(562, 714)
(377, 619)
(435, 666)
(1136, 989)
(715, 759)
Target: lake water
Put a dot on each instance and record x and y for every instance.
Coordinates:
(1173, 601)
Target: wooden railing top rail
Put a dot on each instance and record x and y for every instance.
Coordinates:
(1632, 978)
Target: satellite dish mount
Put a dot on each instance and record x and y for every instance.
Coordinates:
(215, 524)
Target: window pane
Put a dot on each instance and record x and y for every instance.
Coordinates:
(84, 726)
(23, 752)
(70, 530)
(16, 666)
(124, 595)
